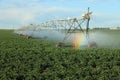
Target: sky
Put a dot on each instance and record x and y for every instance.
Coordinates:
(17, 13)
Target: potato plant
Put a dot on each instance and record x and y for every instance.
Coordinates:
(38, 59)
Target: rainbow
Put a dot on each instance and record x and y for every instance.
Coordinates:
(78, 41)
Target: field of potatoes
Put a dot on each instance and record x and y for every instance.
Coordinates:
(39, 59)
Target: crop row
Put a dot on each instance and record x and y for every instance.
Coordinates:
(37, 59)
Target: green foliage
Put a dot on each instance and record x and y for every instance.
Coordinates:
(37, 59)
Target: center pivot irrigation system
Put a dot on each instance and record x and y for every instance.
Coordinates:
(67, 26)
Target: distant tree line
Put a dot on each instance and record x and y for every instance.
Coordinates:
(101, 28)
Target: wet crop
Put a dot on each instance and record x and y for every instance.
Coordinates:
(39, 59)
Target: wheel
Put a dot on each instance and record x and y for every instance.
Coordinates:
(60, 44)
(92, 44)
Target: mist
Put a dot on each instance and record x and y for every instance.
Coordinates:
(105, 39)
(101, 38)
